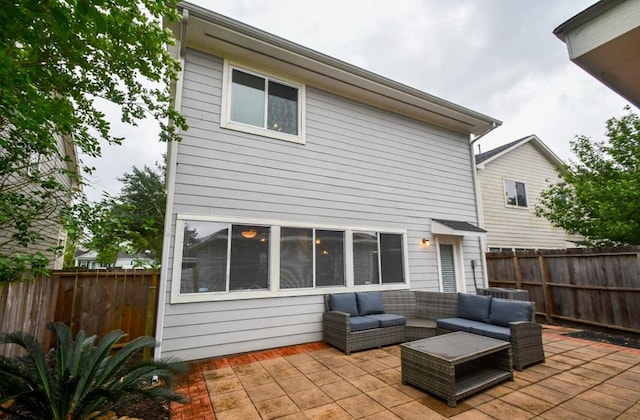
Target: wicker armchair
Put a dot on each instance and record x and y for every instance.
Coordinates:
(337, 332)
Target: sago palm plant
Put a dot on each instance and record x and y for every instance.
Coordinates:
(80, 379)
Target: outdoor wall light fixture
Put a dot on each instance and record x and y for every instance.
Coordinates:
(426, 242)
(249, 234)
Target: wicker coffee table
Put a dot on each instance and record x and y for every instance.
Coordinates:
(454, 366)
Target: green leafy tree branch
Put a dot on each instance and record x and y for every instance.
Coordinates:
(599, 194)
(58, 60)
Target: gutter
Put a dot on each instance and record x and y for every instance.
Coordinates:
(478, 196)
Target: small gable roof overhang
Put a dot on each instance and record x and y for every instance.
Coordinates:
(213, 33)
(456, 228)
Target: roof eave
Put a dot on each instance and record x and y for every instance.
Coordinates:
(210, 31)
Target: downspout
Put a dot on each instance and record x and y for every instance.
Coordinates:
(478, 196)
(172, 156)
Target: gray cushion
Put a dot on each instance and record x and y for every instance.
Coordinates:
(493, 331)
(389, 320)
(504, 311)
(458, 324)
(360, 323)
(369, 303)
(474, 307)
(344, 302)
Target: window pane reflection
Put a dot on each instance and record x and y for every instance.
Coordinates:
(365, 258)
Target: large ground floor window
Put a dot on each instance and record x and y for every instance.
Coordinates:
(214, 258)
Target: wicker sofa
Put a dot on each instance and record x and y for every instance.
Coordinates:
(421, 311)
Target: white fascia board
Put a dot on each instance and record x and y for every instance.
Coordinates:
(584, 33)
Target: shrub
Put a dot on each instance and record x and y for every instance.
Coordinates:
(81, 378)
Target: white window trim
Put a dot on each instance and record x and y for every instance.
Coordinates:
(225, 115)
(458, 259)
(504, 194)
(274, 261)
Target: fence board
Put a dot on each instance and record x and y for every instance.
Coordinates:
(94, 301)
(104, 301)
(594, 286)
(26, 306)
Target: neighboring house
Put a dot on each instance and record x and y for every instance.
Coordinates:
(48, 224)
(302, 175)
(511, 178)
(88, 259)
(604, 40)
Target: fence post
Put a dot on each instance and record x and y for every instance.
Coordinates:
(548, 296)
(516, 268)
(152, 303)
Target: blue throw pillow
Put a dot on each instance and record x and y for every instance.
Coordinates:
(504, 311)
(474, 307)
(344, 302)
(369, 303)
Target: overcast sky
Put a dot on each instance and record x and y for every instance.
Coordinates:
(496, 57)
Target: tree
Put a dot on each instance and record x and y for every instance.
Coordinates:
(599, 196)
(132, 221)
(58, 61)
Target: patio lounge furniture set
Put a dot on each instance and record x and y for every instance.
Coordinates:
(455, 345)
(362, 320)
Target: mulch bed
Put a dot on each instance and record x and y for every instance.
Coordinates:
(617, 338)
(147, 410)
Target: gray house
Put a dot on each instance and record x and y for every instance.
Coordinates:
(302, 175)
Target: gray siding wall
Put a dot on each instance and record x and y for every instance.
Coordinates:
(519, 227)
(47, 224)
(360, 166)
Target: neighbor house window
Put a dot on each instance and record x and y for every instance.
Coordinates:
(311, 258)
(377, 258)
(34, 163)
(219, 257)
(515, 193)
(263, 105)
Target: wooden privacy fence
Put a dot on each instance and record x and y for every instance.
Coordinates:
(95, 301)
(600, 287)
(26, 306)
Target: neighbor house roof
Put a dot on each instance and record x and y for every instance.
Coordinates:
(484, 158)
(208, 31)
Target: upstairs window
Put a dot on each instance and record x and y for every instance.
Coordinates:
(515, 193)
(262, 105)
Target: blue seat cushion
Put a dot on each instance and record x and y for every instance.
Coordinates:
(474, 307)
(493, 331)
(360, 323)
(504, 311)
(369, 303)
(344, 302)
(458, 324)
(389, 320)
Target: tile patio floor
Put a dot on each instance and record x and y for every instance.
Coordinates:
(580, 379)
